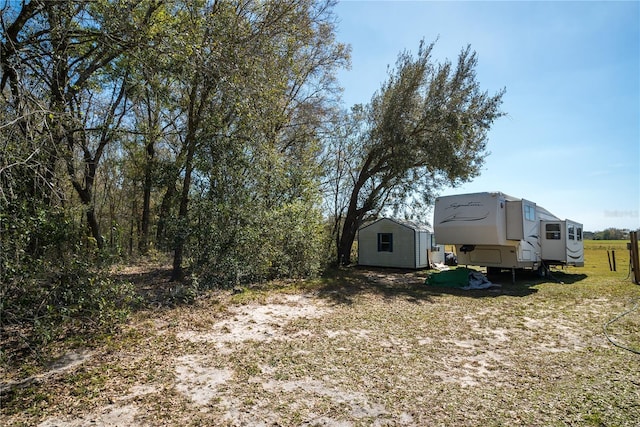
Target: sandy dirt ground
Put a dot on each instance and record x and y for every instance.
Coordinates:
(201, 381)
(344, 359)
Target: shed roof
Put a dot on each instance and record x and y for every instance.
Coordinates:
(417, 226)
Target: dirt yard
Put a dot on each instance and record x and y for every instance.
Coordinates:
(361, 348)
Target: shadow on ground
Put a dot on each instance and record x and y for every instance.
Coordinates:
(341, 286)
(566, 278)
(154, 287)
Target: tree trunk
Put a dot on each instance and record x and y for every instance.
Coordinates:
(352, 221)
(178, 273)
(94, 227)
(355, 215)
(194, 117)
(132, 219)
(346, 240)
(85, 194)
(143, 244)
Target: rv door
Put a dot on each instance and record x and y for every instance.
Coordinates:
(521, 219)
(553, 241)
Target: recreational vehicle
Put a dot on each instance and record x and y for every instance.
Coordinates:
(498, 231)
(397, 243)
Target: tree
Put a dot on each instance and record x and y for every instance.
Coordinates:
(60, 60)
(151, 94)
(259, 85)
(62, 105)
(426, 127)
(611, 234)
(208, 113)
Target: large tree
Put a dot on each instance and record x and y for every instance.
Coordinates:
(64, 63)
(268, 74)
(106, 106)
(426, 127)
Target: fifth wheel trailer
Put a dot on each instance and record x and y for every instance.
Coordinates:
(498, 231)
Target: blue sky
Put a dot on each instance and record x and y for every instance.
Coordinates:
(571, 139)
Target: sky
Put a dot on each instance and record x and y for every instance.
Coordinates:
(570, 141)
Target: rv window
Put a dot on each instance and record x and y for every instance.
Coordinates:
(553, 231)
(385, 242)
(579, 233)
(572, 232)
(529, 213)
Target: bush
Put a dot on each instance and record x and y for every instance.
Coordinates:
(288, 241)
(51, 286)
(55, 302)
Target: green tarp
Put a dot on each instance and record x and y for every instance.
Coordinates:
(456, 278)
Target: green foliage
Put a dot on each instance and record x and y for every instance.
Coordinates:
(426, 127)
(252, 102)
(245, 246)
(186, 126)
(49, 301)
(297, 242)
(49, 287)
(611, 234)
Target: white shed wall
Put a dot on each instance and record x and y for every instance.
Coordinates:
(403, 255)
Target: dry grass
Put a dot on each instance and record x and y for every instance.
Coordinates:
(360, 347)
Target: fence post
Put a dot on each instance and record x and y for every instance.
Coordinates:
(635, 260)
(613, 258)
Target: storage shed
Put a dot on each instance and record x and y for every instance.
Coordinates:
(397, 243)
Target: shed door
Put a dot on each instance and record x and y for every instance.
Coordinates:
(422, 249)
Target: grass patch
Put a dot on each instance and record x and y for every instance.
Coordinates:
(363, 346)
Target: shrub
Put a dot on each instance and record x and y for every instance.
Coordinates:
(51, 285)
(284, 242)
